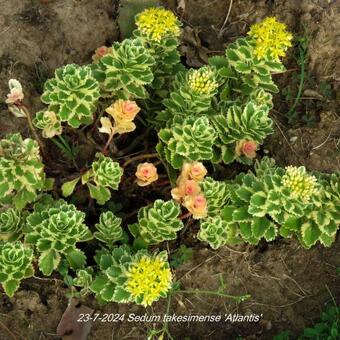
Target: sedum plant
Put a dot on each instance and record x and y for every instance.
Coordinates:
(124, 277)
(15, 265)
(160, 222)
(54, 229)
(109, 229)
(105, 174)
(217, 232)
(189, 139)
(72, 96)
(11, 223)
(125, 70)
(21, 171)
(159, 31)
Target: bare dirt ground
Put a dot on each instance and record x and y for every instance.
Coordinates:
(288, 285)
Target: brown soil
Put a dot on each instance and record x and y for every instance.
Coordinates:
(288, 285)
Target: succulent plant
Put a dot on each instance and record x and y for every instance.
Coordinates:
(55, 229)
(84, 279)
(48, 122)
(249, 72)
(106, 174)
(109, 228)
(21, 170)
(159, 32)
(217, 232)
(188, 139)
(160, 222)
(216, 193)
(15, 265)
(10, 224)
(141, 278)
(72, 94)
(126, 70)
(192, 94)
(243, 122)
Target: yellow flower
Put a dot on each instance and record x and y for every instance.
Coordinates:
(146, 174)
(156, 23)
(271, 37)
(148, 279)
(301, 185)
(202, 81)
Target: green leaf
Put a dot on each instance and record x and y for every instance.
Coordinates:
(260, 226)
(121, 295)
(310, 234)
(76, 258)
(68, 187)
(11, 286)
(100, 194)
(98, 284)
(48, 262)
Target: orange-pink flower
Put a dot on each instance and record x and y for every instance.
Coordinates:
(100, 52)
(185, 188)
(247, 148)
(195, 171)
(197, 205)
(146, 174)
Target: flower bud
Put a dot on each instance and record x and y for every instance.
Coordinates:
(246, 148)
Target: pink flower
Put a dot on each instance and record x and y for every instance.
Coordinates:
(123, 110)
(197, 205)
(247, 148)
(185, 188)
(146, 174)
(15, 96)
(100, 52)
(130, 109)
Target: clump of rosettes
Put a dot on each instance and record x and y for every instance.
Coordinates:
(148, 279)
(301, 185)
(202, 81)
(271, 37)
(156, 23)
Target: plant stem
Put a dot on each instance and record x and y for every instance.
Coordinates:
(34, 132)
(108, 143)
(212, 292)
(137, 158)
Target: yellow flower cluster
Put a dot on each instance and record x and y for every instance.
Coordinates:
(202, 81)
(156, 23)
(148, 278)
(302, 185)
(270, 36)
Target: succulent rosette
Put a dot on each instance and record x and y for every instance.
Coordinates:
(21, 170)
(15, 265)
(125, 277)
(55, 229)
(72, 94)
(159, 222)
(10, 224)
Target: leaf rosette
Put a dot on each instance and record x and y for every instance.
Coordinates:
(21, 170)
(15, 265)
(10, 224)
(160, 222)
(72, 94)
